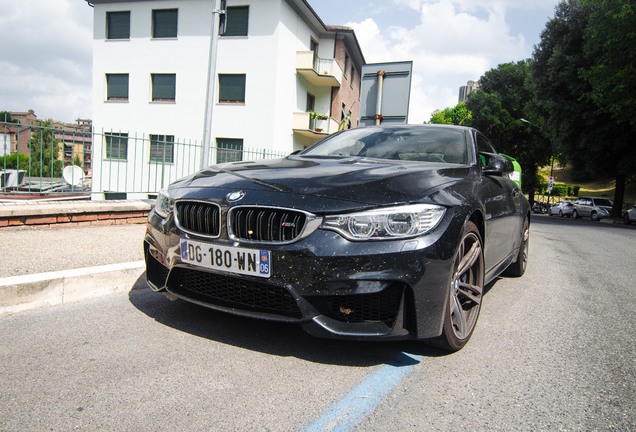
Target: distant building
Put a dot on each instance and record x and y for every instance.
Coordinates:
(73, 139)
(16, 136)
(464, 91)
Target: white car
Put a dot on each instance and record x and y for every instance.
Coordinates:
(630, 215)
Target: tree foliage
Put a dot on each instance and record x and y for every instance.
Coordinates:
(458, 115)
(504, 98)
(610, 42)
(44, 152)
(577, 69)
(14, 161)
(5, 116)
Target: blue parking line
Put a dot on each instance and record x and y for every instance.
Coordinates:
(355, 406)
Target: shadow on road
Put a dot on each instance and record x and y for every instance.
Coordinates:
(275, 338)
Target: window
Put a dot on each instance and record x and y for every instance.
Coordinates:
(353, 75)
(232, 88)
(164, 87)
(311, 102)
(118, 25)
(236, 21)
(162, 148)
(117, 87)
(229, 150)
(117, 146)
(164, 23)
(346, 65)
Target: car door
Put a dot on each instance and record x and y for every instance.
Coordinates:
(502, 204)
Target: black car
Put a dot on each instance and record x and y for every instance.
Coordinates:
(372, 233)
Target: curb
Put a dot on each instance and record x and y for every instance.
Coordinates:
(18, 293)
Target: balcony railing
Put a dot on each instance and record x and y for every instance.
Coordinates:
(304, 125)
(318, 71)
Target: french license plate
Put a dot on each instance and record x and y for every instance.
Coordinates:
(253, 262)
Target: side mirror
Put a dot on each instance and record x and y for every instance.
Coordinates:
(498, 165)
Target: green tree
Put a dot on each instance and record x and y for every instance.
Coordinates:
(14, 161)
(503, 100)
(44, 152)
(5, 116)
(458, 115)
(610, 41)
(565, 70)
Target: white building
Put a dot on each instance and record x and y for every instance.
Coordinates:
(275, 63)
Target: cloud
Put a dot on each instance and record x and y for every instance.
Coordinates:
(453, 42)
(46, 60)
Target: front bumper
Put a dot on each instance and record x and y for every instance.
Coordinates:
(331, 286)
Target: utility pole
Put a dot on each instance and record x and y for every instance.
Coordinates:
(217, 11)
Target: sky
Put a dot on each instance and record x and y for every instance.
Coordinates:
(46, 49)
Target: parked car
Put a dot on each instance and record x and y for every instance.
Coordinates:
(372, 233)
(630, 215)
(562, 208)
(592, 207)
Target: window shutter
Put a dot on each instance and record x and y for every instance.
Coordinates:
(231, 88)
(237, 21)
(164, 23)
(118, 25)
(229, 150)
(163, 87)
(117, 86)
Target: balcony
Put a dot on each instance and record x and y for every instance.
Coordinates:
(303, 125)
(318, 71)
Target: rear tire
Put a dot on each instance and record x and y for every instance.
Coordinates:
(518, 268)
(464, 293)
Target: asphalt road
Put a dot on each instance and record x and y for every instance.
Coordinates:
(553, 350)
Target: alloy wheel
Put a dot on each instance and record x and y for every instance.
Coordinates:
(467, 286)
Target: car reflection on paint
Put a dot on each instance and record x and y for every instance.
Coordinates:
(373, 233)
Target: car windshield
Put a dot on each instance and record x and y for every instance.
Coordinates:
(429, 144)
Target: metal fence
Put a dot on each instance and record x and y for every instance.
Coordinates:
(54, 162)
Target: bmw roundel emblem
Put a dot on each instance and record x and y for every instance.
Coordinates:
(234, 196)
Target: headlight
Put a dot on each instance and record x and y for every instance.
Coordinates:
(163, 205)
(386, 224)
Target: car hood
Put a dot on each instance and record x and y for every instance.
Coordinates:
(352, 179)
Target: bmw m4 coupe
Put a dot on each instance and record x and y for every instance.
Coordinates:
(376, 233)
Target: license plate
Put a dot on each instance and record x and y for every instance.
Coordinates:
(253, 262)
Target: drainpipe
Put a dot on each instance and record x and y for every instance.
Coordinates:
(209, 98)
(378, 103)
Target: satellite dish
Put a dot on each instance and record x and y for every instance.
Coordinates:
(73, 175)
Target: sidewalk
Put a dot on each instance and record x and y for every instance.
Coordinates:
(57, 252)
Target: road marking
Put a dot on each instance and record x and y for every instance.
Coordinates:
(347, 413)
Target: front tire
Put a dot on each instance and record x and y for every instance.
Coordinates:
(594, 216)
(465, 292)
(575, 214)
